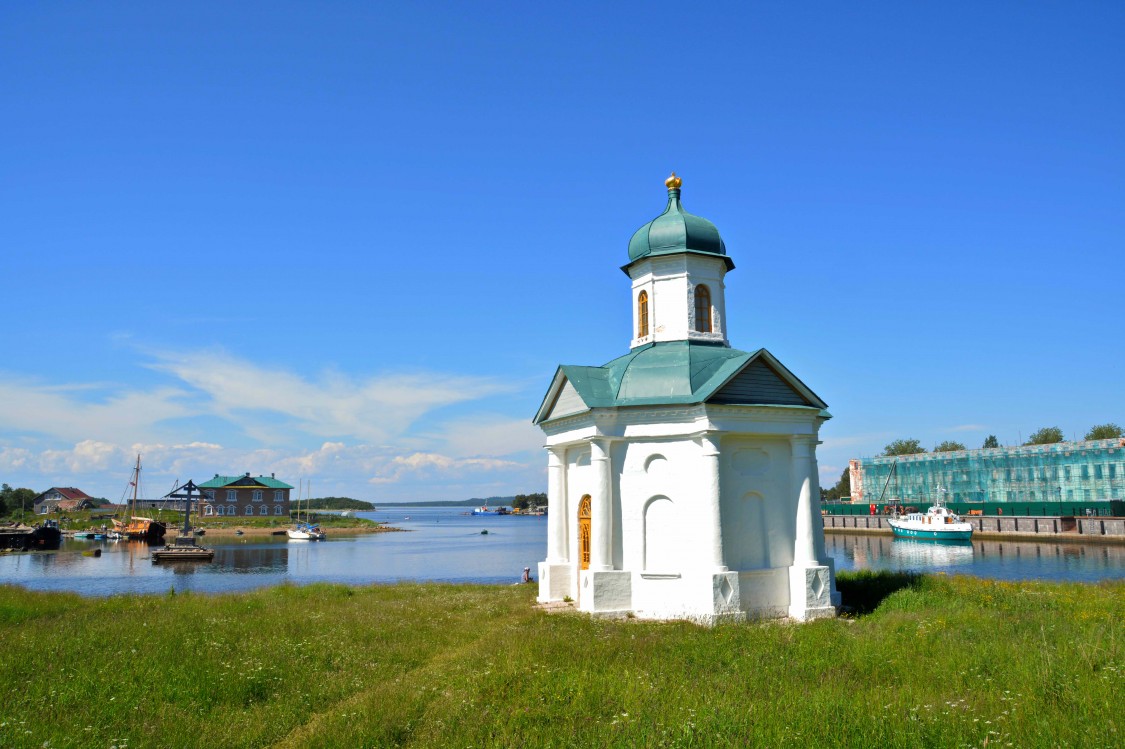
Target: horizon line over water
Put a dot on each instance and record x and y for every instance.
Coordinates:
(445, 544)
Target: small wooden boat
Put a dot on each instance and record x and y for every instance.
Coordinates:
(134, 526)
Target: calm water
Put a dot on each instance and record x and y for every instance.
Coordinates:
(1003, 560)
(445, 545)
(442, 545)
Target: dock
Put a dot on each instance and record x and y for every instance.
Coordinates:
(1054, 527)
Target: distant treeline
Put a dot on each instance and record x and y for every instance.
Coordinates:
(520, 500)
(338, 503)
(524, 501)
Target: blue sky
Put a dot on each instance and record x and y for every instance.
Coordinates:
(350, 242)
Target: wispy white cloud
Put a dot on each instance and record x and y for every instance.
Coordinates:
(423, 465)
(75, 412)
(333, 406)
(489, 435)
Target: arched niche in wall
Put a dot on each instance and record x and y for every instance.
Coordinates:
(656, 464)
(662, 550)
(745, 542)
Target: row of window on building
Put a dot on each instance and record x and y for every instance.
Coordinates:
(1110, 470)
(233, 509)
(257, 496)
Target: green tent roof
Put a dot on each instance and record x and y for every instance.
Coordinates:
(667, 373)
(220, 482)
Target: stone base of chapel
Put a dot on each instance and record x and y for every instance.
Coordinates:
(556, 582)
(605, 592)
(811, 594)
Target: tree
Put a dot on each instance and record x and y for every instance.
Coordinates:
(1045, 436)
(16, 499)
(1105, 432)
(843, 487)
(991, 441)
(949, 446)
(904, 447)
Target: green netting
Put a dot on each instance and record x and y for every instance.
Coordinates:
(1091, 471)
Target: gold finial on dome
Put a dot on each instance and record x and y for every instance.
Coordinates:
(673, 182)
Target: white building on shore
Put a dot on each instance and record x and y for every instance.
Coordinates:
(682, 475)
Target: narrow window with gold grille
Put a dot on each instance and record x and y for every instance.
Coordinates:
(702, 309)
(642, 314)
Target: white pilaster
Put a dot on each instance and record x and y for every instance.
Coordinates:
(558, 513)
(710, 506)
(804, 546)
(601, 507)
(812, 584)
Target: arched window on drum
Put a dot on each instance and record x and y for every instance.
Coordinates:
(702, 309)
(642, 314)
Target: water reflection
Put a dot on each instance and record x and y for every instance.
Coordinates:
(1012, 560)
(443, 544)
(251, 560)
(914, 554)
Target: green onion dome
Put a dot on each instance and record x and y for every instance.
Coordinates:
(675, 230)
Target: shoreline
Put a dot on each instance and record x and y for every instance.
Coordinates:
(251, 531)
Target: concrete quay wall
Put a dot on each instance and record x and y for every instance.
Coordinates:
(1075, 529)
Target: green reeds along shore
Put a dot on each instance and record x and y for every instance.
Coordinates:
(924, 661)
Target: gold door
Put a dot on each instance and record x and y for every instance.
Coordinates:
(584, 532)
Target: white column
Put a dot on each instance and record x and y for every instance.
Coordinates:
(817, 518)
(713, 523)
(601, 504)
(558, 550)
(804, 551)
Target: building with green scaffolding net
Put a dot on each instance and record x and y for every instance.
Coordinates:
(1088, 471)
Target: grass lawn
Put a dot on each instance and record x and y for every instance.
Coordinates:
(927, 661)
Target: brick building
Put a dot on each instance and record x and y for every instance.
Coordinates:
(245, 496)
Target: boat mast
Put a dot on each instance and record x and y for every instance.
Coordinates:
(136, 483)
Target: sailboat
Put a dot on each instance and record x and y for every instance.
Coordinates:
(304, 530)
(134, 526)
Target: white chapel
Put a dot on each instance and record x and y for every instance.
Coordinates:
(682, 476)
